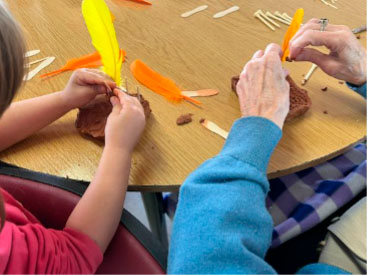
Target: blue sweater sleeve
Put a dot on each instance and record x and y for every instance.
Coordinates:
(362, 90)
(221, 224)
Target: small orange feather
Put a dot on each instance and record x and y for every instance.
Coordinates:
(291, 31)
(86, 61)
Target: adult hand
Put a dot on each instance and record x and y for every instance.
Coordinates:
(347, 59)
(84, 85)
(125, 123)
(262, 88)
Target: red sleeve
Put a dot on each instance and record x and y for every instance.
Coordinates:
(33, 249)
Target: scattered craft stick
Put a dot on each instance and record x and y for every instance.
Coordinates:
(270, 15)
(285, 15)
(157, 83)
(226, 12)
(277, 13)
(291, 31)
(191, 12)
(31, 53)
(126, 84)
(138, 93)
(41, 66)
(269, 19)
(359, 29)
(214, 128)
(36, 61)
(257, 14)
(328, 4)
(200, 93)
(309, 74)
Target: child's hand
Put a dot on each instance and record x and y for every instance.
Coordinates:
(84, 85)
(125, 124)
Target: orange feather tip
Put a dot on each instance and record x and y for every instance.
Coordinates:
(291, 31)
(144, 2)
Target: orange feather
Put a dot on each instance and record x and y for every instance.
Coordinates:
(86, 61)
(291, 31)
(157, 83)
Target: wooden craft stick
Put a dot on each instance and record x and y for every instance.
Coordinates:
(269, 19)
(309, 74)
(41, 66)
(191, 12)
(36, 61)
(328, 4)
(281, 16)
(287, 16)
(277, 18)
(226, 12)
(31, 53)
(359, 29)
(138, 93)
(200, 93)
(214, 128)
(256, 14)
(126, 84)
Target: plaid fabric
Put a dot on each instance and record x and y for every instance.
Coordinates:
(299, 201)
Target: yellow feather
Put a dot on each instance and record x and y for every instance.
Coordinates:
(101, 29)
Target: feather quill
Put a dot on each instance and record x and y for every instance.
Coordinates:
(101, 29)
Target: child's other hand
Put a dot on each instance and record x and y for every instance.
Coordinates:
(125, 124)
(84, 85)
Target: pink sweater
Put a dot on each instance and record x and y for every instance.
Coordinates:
(26, 247)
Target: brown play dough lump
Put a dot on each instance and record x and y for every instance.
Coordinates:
(299, 99)
(184, 119)
(91, 119)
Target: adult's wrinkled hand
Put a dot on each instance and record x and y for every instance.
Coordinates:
(347, 59)
(262, 88)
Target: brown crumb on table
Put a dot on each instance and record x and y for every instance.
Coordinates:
(303, 75)
(325, 112)
(202, 120)
(184, 119)
(324, 88)
(358, 36)
(341, 82)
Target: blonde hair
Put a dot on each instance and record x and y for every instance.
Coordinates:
(12, 69)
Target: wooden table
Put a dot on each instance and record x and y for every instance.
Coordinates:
(197, 52)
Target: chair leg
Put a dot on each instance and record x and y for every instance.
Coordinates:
(153, 204)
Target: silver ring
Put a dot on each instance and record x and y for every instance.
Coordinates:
(323, 22)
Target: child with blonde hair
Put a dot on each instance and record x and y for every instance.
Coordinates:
(26, 246)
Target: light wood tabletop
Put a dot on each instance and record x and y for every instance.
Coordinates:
(197, 52)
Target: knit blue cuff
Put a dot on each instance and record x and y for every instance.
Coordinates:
(321, 269)
(252, 140)
(362, 90)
